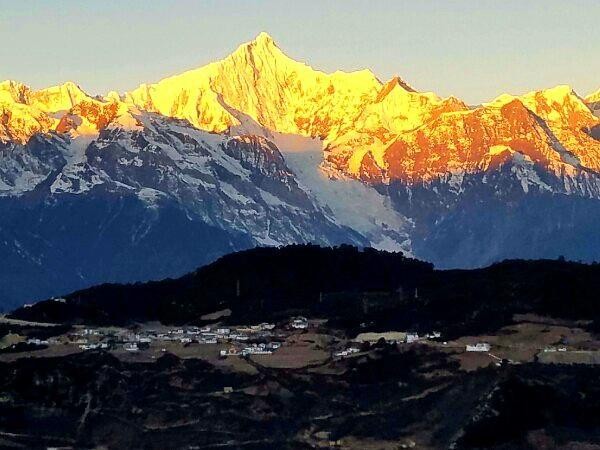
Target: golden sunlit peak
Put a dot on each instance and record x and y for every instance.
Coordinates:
(14, 91)
(264, 38)
(395, 82)
(558, 92)
(594, 97)
(500, 101)
(10, 83)
(403, 84)
(263, 43)
(555, 94)
(68, 87)
(113, 96)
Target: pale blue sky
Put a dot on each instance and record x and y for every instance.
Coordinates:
(472, 49)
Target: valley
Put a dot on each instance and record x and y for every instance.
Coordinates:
(315, 376)
(403, 356)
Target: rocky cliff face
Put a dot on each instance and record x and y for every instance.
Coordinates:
(143, 197)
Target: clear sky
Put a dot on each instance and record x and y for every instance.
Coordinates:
(471, 49)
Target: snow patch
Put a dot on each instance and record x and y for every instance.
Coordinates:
(150, 196)
(352, 203)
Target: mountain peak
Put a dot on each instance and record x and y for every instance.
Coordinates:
(61, 97)
(395, 82)
(403, 84)
(264, 38)
(13, 91)
(557, 93)
(10, 84)
(593, 97)
(262, 45)
(560, 103)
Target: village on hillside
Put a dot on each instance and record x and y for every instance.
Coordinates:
(300, 342)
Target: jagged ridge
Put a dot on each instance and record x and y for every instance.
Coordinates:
(393, 167)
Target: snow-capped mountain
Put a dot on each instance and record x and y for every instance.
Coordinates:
(259, 149)
(147, 191)
(378, 132)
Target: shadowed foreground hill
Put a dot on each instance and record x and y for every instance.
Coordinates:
(276, 278)
(430, 394)
(344, 284)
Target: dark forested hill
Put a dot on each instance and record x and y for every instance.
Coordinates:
(426, 394)
(343, 284)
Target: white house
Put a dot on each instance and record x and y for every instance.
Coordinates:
(300, 323)
(256, 350)
(479, 347)
(229, 352)
(412, 337)
(131, 346)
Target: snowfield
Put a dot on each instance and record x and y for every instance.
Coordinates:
(351, 202)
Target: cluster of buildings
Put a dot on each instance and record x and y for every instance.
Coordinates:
(244, 340)
(36, 341)
(299, 323)
(554, 349)
(344, 353)
(478, 347)
(199, 335)
(93, 339)
(396, 337)
(86, 339)
(253, 349)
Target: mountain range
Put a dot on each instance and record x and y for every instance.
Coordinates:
(261, 150)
